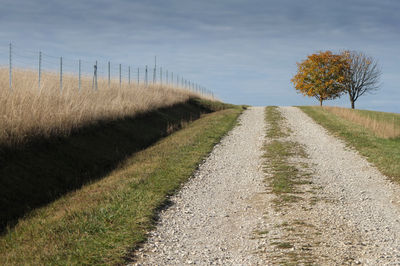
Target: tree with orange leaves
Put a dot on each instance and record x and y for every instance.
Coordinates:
(321, 76)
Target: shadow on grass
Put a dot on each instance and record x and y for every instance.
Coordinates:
(45, 169)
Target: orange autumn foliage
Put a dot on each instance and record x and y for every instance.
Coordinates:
(321, 76)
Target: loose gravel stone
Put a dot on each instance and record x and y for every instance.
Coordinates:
(225, 215)
(213, 217)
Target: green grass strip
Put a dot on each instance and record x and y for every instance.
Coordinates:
(274, 119)
(285, 176)
(102, 222)
(384, 153)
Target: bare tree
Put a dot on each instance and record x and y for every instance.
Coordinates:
(362, 75)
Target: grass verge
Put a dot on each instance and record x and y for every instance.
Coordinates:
(42, 170)
(102, 222)
(383, 153)
(384, 125)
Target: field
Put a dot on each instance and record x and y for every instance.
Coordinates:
(385, 125)
(28, 112)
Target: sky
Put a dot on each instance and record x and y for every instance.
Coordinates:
(245, 51)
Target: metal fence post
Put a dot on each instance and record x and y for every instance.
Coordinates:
(10, 76)
(129, 75)
(138, 76)
(40, 69)
(94, 80)
(95, 75)
(166, 74)
(61, 73)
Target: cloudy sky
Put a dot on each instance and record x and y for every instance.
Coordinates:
(244, 50)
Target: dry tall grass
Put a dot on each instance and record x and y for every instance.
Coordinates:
(388, 128)
(28, 111)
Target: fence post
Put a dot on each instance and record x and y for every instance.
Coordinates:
(10, 76)
(138, 76)
(129, 75)
(109, 73)
(95, 71)
(79, 75)
(145, 76)
(161, 75)
(166, 74)
(40, 69)
(94, 80)
(120, 81)
(61, 74)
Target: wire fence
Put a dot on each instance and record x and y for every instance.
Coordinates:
(13, 58)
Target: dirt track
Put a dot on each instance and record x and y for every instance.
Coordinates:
(347, 212)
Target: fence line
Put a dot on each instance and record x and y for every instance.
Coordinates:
(40, 62)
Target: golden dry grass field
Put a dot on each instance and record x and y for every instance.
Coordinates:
(27, 111)
(384, 125)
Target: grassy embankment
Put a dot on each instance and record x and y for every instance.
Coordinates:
(53, 141)
(82, 174)
(103, 221)
(384, 152)
(28, 112)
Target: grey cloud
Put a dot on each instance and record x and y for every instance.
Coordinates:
(224, 44)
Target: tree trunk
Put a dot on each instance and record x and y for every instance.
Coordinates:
(320, 101)
(352, 101)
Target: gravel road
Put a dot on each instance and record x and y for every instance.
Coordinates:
(359, 216)
(225, 214)
(213, 217)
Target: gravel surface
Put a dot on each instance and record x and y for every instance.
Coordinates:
(358, 218)
(347, 212)
(213, 217)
